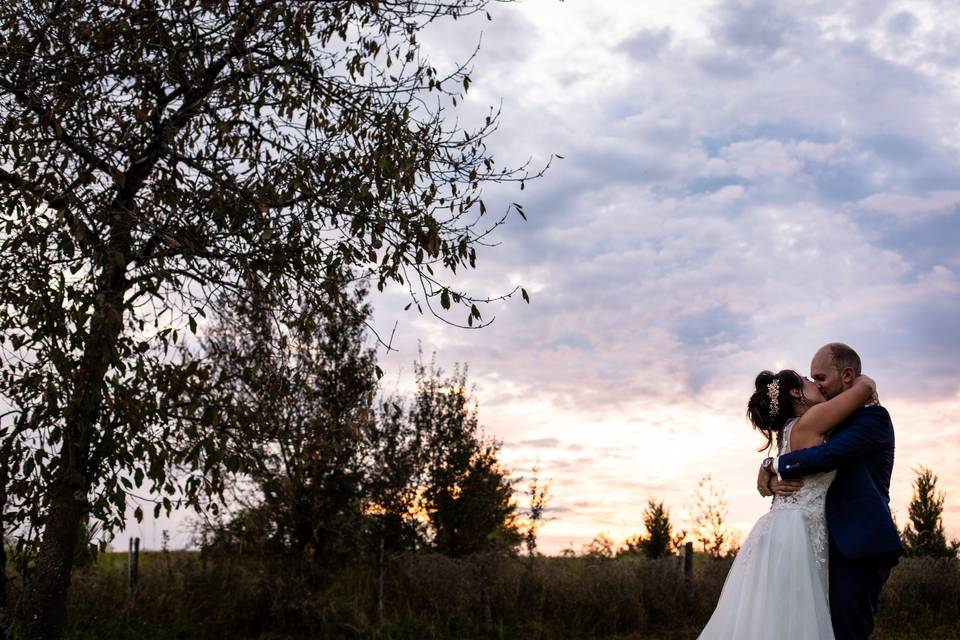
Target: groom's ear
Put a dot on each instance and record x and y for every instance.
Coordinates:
(848, 375)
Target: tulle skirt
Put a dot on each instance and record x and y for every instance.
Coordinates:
(777, 586)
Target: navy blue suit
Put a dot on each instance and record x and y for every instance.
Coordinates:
(864, 542)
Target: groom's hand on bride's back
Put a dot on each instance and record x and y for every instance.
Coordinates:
(768, 484)
(785, 487)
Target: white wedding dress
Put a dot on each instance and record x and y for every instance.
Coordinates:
(778, 584)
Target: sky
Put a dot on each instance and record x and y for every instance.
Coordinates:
(741, 183)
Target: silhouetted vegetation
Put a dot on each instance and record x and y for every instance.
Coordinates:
(601, 547)
(711, 531)
(923, 535)
(297, 394)
(658, 540)
(158, 153)
(321, 473)
(467, 495)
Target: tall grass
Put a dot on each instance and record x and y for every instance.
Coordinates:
(187, 595)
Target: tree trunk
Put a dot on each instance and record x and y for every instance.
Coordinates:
(45, 601)
(4, 608)
(45, 597)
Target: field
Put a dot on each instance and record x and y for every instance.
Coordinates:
(191, 595)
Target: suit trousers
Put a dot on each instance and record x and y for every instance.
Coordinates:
(854, 592)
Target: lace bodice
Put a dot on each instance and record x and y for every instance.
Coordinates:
(813, 495)
(811, 499)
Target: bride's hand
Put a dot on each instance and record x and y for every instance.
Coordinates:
(874, 398)
(866, 380)
(763, 483)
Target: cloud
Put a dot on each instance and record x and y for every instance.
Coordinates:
(758, 26)
(754, 159)
(646, 44)
(539, 443)
(902, 23)
(935, 203)
(682, 193)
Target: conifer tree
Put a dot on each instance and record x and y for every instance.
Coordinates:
(656, 520)
(923, 535)
(657, 539)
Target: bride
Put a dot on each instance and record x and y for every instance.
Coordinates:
(777, 586)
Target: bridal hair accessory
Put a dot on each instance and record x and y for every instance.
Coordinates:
(773, 390)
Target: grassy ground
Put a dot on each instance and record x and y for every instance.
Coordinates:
(184, 595)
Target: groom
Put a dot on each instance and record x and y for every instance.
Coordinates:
(864, 542)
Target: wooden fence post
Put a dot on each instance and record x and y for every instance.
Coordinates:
(485, 608)
(381, 569)
(133, 565)
(688, 568)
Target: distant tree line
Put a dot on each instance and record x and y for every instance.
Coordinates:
(711, 534)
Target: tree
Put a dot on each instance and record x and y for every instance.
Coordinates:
(158, 152)
(657, 540)
(395, 462)
(435, 480)
(710, 521)
(656, 520)
(601, 547)
(539, 497)
(632, 546)
(923, 535)
(299, 401)
(467, 495)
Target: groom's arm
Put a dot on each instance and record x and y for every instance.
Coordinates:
(769, 485)
(868, 432)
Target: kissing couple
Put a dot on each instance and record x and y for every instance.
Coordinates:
(813, 566)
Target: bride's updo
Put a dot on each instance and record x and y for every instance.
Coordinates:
(771, 405)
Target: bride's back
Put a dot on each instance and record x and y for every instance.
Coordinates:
(813, 494)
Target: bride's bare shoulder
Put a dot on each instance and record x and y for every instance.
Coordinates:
(805, 440)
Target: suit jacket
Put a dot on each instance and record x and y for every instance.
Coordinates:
(858, 502)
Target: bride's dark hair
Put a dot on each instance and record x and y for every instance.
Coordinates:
(769, 414)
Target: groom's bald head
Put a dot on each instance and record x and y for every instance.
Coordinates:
(834, 368)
